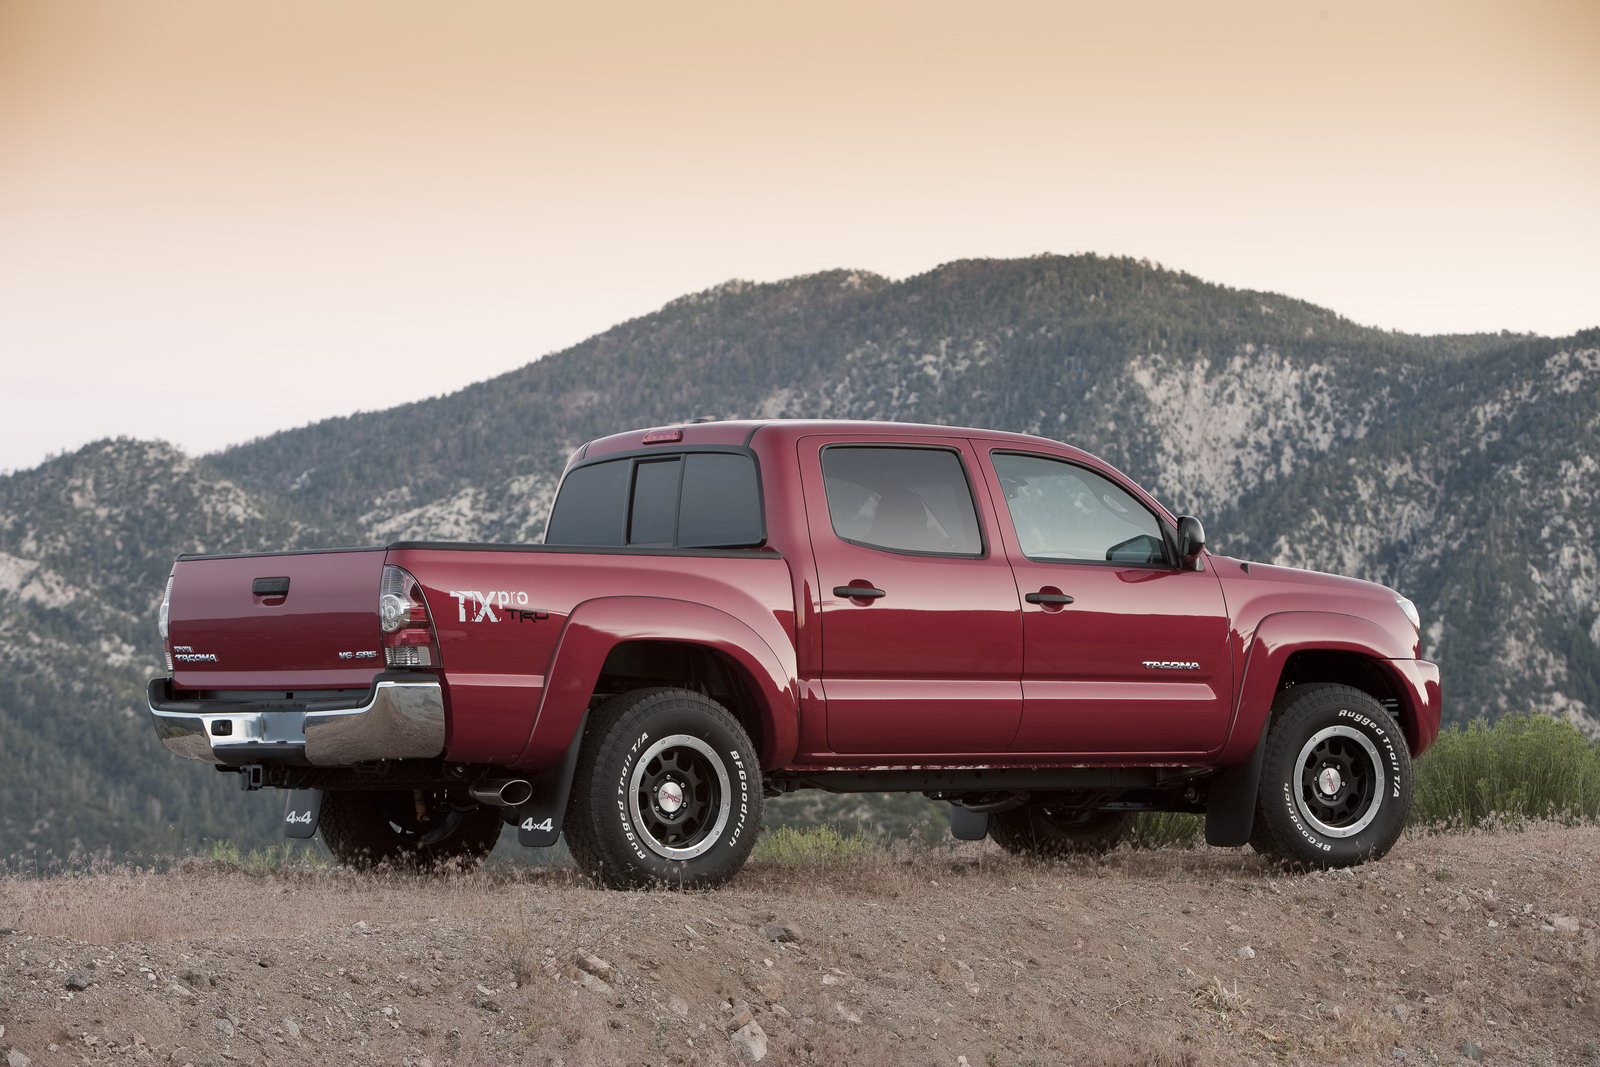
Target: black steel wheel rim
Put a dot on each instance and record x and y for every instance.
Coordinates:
(679, 796)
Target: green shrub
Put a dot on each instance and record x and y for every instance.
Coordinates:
(813, 846)
(1522, 767)
(1166, 829)
(225, 853)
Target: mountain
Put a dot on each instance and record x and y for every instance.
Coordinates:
(1460, 469)
(86, 541)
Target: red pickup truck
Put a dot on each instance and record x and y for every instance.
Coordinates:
(727, 611)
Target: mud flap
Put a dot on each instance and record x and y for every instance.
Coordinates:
(301, 810)
(538, 819)
(1231, 801)
(968, 825)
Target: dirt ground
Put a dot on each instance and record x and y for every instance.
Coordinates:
(1455, 948)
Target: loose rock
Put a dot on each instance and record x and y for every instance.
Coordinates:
(594, 965)
(750, 1041)
(17, 1059)
(1247, 953)
(1470, 1050)
(778, 932)
(78, 980)
(596, 985)
(224, 1025)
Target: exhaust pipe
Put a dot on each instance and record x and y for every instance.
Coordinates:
(502, 792)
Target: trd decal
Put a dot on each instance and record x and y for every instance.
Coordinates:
(490, 605)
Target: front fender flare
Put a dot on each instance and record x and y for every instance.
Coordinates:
(1231, 802)
(597, 626)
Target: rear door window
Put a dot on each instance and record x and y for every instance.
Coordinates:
(911, 500)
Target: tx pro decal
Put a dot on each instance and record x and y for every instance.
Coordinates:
(493, 605)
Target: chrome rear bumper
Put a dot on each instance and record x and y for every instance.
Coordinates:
(401, 719)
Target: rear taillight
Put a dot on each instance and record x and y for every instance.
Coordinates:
(164, 623)
(408, 637)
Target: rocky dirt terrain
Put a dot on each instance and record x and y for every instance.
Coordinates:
(1457, 948)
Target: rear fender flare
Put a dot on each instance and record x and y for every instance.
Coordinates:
(597, 626)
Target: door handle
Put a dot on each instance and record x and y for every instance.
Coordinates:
(269, 587)
(1048, 598)
(858, 592)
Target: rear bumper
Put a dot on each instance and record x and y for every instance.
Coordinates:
(401, 718)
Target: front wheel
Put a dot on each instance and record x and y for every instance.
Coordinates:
(667, 792)
(1335, 780)
(406, 828)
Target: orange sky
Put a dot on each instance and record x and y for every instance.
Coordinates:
(281, 211)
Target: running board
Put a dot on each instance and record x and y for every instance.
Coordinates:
(989, 779)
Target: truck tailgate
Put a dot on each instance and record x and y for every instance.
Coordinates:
(284, 621)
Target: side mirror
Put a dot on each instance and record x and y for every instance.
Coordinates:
(1191, 539)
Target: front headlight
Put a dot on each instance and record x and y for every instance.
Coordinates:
(1411, 611)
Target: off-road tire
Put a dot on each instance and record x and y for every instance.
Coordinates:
(642, 753)
(1316, 728)
(364, 829)
(1035, 830)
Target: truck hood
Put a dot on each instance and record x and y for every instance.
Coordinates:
(1256, 590)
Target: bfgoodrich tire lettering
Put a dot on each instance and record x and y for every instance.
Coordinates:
(1335, 779)
(667, 791)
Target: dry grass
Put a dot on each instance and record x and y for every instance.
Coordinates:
(902, 956)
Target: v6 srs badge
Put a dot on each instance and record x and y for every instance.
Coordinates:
(495, 605)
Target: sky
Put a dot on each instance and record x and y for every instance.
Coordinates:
(222, 218)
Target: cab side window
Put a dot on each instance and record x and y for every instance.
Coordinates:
(911, 500)
(1063, 512)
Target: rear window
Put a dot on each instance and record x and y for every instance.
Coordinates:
(690, 500)
(591, 507)
(654, 515)
(721, 501)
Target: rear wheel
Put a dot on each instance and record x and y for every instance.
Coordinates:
(1335, 779)
(1038, 829)
(667, 791)
(406, 828)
